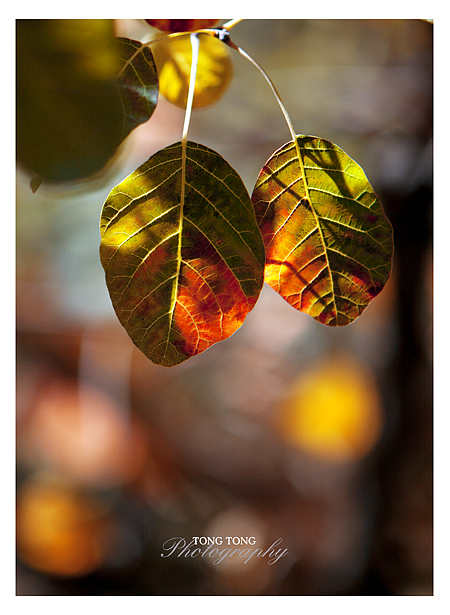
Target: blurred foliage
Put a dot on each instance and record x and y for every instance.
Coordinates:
(214, 70)
(69, 112)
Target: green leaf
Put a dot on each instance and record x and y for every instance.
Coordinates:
(137, 82)
(182, 253)
(328, 242)
(71, 114)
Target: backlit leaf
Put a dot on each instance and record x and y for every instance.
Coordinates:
(214, 70)
(137, 82)
(328, 242)
(184, 260)
(181, 25)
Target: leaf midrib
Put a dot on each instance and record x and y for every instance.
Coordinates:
(316, 218)
(180, 238)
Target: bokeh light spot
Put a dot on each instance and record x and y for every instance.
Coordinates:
(58, 530)
(333, 411)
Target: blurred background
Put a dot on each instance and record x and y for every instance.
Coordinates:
(288, 429)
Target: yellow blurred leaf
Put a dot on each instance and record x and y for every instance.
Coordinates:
(173, 61)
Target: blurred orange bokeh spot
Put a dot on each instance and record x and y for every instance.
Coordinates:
(84, 434)
(58, 530)
(333, 411)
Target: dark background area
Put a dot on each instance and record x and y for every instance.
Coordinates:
(288, 429)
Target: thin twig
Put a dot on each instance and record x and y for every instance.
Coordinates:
(230, 43)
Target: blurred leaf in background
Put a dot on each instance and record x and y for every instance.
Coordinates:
(214, 70)
(70, 118)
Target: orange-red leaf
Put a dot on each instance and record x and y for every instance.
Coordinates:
(328, 242)
(182, 253)
(182, 25)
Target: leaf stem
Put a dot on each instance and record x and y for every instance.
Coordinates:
(230, 24)
(195, 44)
(148, 43)
(280, 102)
(269, 81)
